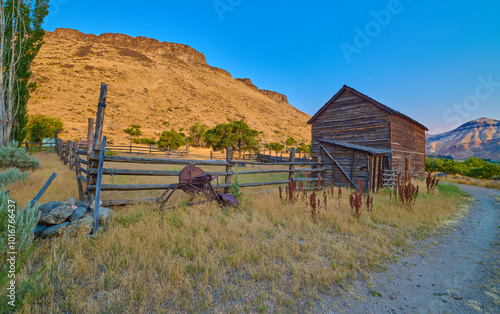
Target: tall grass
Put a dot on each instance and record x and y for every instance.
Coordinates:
(266, 254)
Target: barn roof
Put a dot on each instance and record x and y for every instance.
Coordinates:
(368, 99)
(373, 151)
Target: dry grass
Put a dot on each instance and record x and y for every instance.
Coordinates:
(490, 184)
(266, 255)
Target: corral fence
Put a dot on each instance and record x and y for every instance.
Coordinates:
(90, 164)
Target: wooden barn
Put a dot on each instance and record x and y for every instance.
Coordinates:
(359, 138)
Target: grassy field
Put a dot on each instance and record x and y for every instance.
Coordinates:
(490, 184)
(265, 255)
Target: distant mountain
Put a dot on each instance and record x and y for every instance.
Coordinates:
(476, 138)
(159, 85)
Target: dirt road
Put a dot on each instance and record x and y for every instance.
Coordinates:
(455, 272)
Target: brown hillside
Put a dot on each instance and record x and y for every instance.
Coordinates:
(158, 85)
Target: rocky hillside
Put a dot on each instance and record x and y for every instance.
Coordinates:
(477, 138)
(158, 85)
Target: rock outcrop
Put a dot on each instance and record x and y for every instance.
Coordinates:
(182, 52)
(272, 95)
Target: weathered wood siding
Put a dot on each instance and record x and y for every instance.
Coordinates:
(354, 120)
(407, 139)
(344, 157)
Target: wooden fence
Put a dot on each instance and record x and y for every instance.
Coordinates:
(85, 159)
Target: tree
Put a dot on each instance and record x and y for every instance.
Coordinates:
(40, 126)
(197, 134)
(277, 147)
(170, 140)
(290, 141)
(304, 148)
(236, 134)
(22, 38)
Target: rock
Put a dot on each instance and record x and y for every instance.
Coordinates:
(38, 230)
(456, 296)
(49, 206)
(58, 215)
(105, 215)
(70, 201)
(92, 206)
(54, 231)
(456, 178)
(77, 214)
(81, 227)
(441, 174)
(83, 204)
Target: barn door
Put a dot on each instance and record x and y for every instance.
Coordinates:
(332, 165)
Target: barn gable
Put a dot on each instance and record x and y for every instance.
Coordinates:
(351, 91)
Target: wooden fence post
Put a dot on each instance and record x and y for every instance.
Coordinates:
(56, 138)
(98, 185)
(131, 147)
(90, 141)
(229, 168)
(78, 171)
(27, 146)
(97, 140)
(71, 154)
(291, 174)
(66, 153)
(211, 155)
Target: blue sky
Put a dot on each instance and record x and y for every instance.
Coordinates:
(436, 61)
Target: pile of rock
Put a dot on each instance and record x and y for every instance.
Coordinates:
(70, 218)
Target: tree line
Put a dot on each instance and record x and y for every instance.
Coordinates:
(472, 167)
(233, 133)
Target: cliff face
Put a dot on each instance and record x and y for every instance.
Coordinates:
(272, 95)
(143, 44)
(477, 138)
(159, 85)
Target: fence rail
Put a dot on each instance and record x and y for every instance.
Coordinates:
(90, 163)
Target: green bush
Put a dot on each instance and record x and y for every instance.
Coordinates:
(135, 130)
(13, 156)
(23, 222)
(11, 176)
(40, 126)
(472, 167)
(171, 140)
(144, 140)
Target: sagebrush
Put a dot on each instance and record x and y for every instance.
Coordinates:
(13, 156)
(12, 175)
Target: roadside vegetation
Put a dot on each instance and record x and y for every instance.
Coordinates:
(473, 171)
(268, 254)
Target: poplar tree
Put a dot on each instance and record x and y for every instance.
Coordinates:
(21, 39)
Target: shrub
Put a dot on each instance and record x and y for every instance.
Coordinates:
(135, 130)
(171, 140)
(13, 156)
(144, 140)
(11, 176)
(23, 222)
(40, 126)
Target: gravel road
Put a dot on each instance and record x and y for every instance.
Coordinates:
(455, 272)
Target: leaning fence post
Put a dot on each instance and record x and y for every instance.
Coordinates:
(42, 190)
(98, 187)
(78, 171)
(27, 145)
(292, 166)
(229, 168)
(96, 146)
